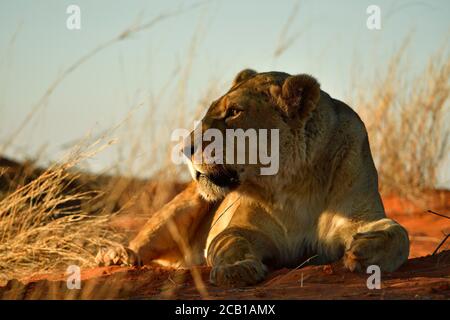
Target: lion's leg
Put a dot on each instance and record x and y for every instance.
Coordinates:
(167, 234)
(383, 242)
(236, 257)
(238, 253)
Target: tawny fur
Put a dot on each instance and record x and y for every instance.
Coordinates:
(322, 203)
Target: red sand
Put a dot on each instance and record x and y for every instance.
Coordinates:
(427, 277)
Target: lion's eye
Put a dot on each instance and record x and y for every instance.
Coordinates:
(233, 112)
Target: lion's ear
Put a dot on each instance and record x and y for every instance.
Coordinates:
(243, 75)
(298, 95)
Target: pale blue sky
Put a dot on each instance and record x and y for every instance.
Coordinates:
(233, 35)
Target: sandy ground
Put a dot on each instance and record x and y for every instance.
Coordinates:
(422, 277)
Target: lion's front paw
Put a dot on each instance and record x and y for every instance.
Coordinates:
(120, 256)
(371, 248)
(239, 274)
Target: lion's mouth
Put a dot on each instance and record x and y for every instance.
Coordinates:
(223, 178)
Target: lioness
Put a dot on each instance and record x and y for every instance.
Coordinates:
(323, 202)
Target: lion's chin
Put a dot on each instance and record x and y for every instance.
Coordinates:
(214, 187)
(210, 192)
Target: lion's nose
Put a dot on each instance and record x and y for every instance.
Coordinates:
(188, 150)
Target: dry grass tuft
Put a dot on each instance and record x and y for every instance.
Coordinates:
(48, 224)
(407, 122)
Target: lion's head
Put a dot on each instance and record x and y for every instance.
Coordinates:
(270, 100)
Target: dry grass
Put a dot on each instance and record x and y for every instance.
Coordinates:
(407, 122)
(49, 223)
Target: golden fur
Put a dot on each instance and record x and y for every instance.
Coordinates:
(323, 202)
